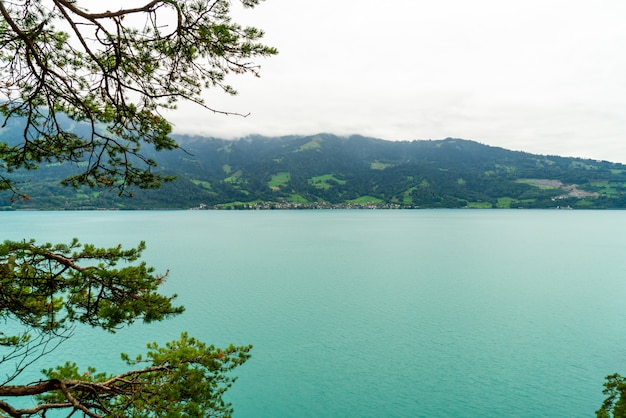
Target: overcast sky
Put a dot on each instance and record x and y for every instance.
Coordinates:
(543, 76)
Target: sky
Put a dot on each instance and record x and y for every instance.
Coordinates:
(542, 76)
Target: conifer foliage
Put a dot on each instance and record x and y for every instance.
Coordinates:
(88, 85)
(113, 71)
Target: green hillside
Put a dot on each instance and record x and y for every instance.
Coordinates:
(329, 171)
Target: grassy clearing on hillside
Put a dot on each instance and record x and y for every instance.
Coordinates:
(296, 198)
(606, 188)
(325, 181)
(541, 183)
(279, 180)
(479, 205)
(407, 197)
(202, 183)
(505, 202)
(377, 165)
(314, 143)
(366, 199)
(583, 204)
(235, 178)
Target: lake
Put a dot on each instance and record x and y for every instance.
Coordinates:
(420, 313)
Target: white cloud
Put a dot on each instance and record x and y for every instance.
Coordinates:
(545, 77)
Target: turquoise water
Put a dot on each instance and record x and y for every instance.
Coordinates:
(434, 313)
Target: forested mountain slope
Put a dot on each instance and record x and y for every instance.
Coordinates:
(326, 170)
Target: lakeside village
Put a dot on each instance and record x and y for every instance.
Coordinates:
(293, 205)
(317, 205)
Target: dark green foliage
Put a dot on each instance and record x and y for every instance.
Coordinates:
(445, 173)
(49, 287)
(187, 370)
(614, 406)
(325, 168)
(82, 94)
(93, 95)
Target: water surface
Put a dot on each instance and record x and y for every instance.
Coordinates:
(425, 313)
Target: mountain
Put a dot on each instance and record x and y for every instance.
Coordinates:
(329, 171)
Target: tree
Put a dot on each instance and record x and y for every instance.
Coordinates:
(89, 88)
(114, 76)
(615, 403)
